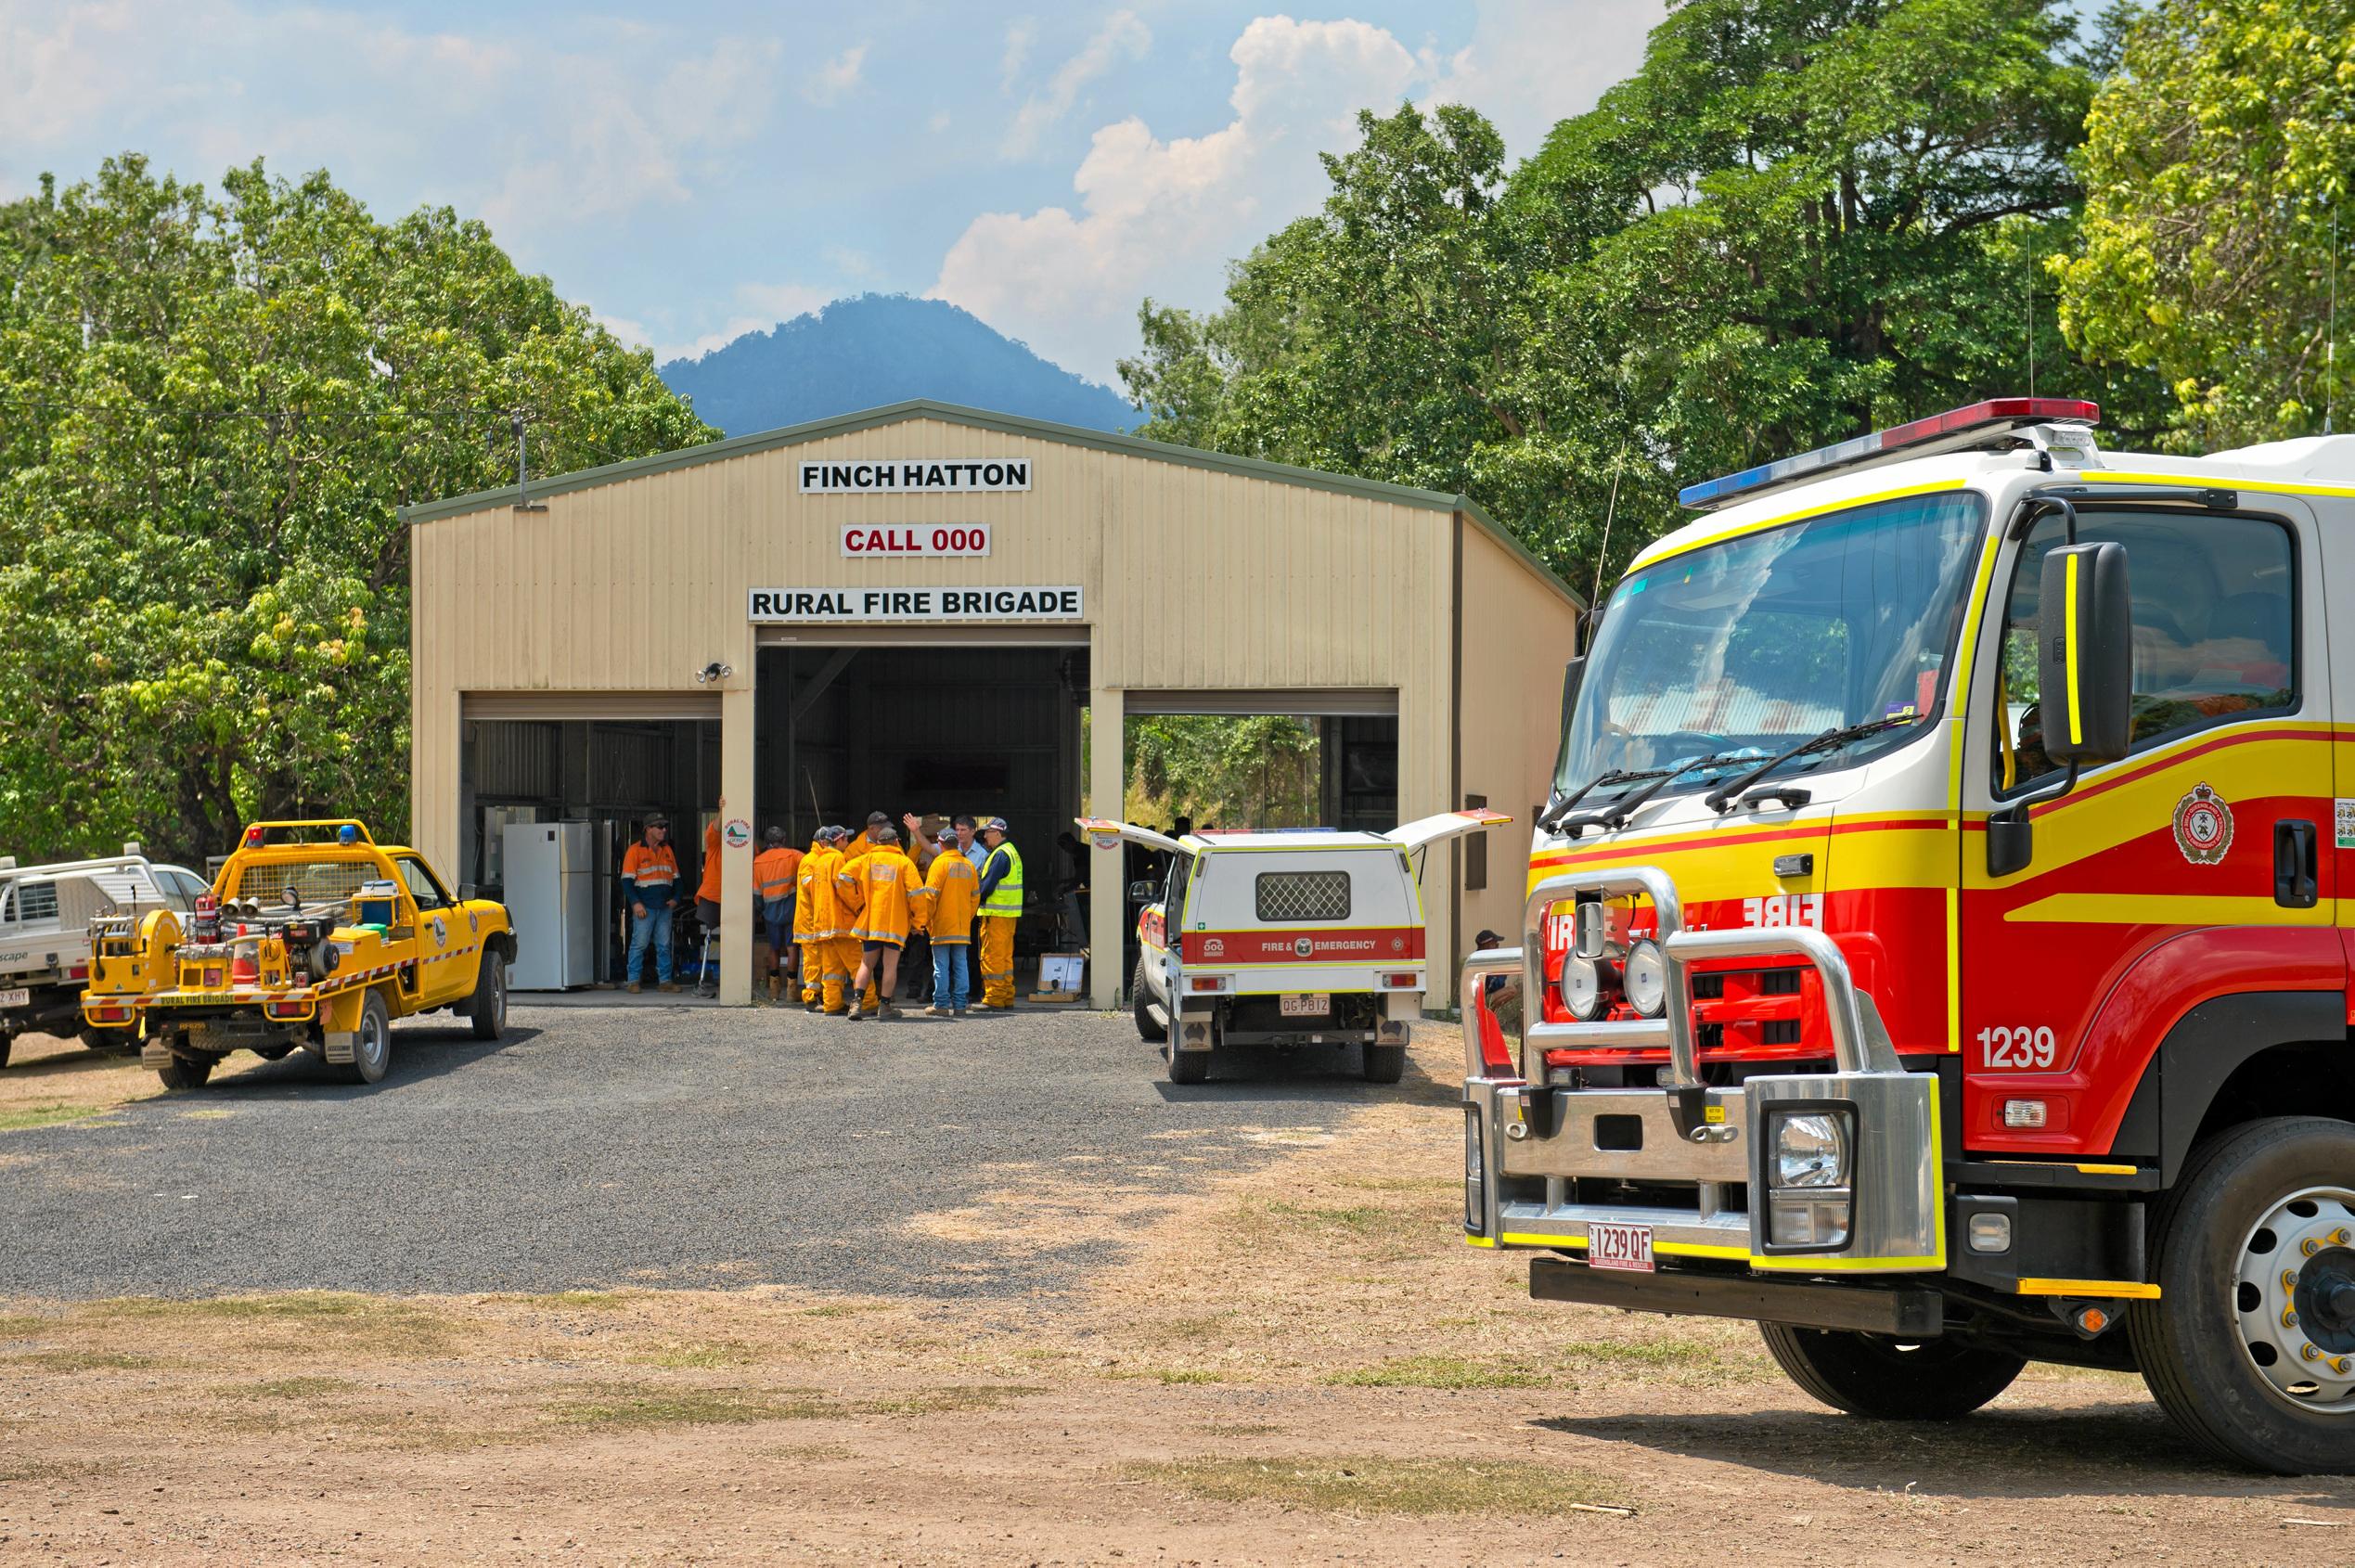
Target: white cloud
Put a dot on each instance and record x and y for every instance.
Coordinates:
(1120, 37)
(1532, 63)
(838, 76)
(850, 262)
(1160, 217)
(630, 331)
(736, 327)
(1021, 34)
(782, 301)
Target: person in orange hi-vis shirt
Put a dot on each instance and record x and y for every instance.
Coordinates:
(952, 892)
(707, 902)
(881, 888)
(650, 879)
(774, 871)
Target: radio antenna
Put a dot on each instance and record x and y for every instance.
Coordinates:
(2031, 305)
(2330, 357)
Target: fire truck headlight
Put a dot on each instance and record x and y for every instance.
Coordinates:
(1586, 984)
(1647, 978)
(1807, 1149)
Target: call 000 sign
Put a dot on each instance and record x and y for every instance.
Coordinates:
(861, 540)
(837, 606)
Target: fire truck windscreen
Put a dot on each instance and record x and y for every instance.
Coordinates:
(1742, 648)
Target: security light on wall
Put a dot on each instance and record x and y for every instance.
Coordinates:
(714, 673)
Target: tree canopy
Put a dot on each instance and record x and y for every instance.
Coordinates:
(2216, 160)
(210, 406)
(1798, 220)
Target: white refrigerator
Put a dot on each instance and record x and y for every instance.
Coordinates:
(551, 897)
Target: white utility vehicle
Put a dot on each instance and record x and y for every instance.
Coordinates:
(44, 936)
(1307, 936)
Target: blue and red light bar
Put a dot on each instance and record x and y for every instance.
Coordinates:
(1951, 431)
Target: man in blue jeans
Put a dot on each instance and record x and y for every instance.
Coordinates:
(650, 878)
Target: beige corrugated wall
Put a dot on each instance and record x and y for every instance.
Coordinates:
(1193, 578)
(1518, 632)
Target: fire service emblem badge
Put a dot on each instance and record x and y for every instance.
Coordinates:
(2203, 825)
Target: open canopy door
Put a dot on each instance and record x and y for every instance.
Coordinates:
(1447, 825)
(1100, 833)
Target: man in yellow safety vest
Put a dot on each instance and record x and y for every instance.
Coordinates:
(1001, 907)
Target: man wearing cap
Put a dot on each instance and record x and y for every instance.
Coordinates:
(774, 871)
(1001, 907)
(879, 887)
(649, 876)
(829, 930)
(811, 966)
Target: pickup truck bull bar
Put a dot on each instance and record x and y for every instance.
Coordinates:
(1529, 1144)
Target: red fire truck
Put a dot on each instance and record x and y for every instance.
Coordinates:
(1933, 948)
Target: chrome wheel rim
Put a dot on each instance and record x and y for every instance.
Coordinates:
(373, 1042)
(2294, 1298)
(499, 994)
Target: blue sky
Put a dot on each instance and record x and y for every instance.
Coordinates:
(693, 170)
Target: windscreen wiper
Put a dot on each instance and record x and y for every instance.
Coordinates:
(1562, 803)
(1615, 815)
(1720, 800)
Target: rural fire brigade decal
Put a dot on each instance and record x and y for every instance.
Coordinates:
(2203, 825)
(1368, 945)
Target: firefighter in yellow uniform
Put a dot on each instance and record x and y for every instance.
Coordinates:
(881, 889)
(837, 950)
(1001, 907)
(813, 967)
(855, 850)
(952, 892)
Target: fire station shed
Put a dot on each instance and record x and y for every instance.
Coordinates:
(935, 609)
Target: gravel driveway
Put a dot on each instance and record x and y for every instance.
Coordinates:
(606, 1146)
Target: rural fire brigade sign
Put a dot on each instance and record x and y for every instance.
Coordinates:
(862, 541)
(832, 607)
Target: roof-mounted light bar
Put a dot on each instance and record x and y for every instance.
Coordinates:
(1954, 430)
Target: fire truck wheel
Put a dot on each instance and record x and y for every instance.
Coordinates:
(1385, 1064)
(488, 1009)
(109, 1041)
(1873, 1375)
(278, 1052)
(1188, 1067)
(1141, 1000)
(372, 1043)
(2250, 1348)
(7, 1044)
(186, 1072)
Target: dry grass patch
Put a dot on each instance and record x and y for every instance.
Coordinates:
(1385, 1485)
(303, 1323)
(46, 1113)
(82, 1361)
(952, 1399)
(634, 1407)
(288, 1388)
(1443, 1371)
(700, 1353)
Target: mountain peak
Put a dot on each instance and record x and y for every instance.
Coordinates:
(869, 350)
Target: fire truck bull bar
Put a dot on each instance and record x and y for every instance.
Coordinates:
(1536, 1152)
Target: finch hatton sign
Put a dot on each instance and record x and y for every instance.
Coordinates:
(903, 476)
(832, 606)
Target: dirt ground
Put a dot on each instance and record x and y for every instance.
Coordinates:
(1305, 1365)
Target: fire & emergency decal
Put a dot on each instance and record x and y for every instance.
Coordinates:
(2203, 825)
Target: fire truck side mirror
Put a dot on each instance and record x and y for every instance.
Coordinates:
(2085, 654)
(1572, 674)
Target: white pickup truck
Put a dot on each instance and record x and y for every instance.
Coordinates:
(1301, 936)
(44, 936)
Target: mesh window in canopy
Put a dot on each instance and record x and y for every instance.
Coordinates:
(1302, 895)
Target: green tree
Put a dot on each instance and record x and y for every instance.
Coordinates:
(1799, 220)
(2216, 160)
(211, 407)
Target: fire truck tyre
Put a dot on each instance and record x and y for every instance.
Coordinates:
(1188, 1067)
(372, 1043)
(488, 1009)
(1890, 1380)
(7, 1044)
(1385, 1064)
(186, 1072)
(1153, 1034)
(2250, 1348)
(107, 1040)
(278, 1052)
